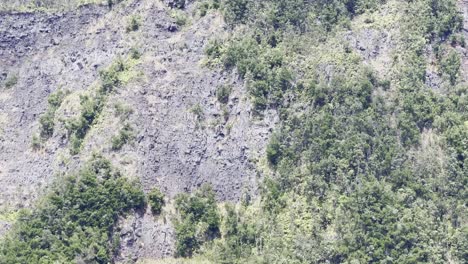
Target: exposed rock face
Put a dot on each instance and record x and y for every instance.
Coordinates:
(43, 52)
(176, 149)
(146, 236)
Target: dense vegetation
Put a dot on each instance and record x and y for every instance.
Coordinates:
(74, 223)
(366, 167)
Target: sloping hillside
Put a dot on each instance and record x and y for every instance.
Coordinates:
(276, 131)
(173, 147)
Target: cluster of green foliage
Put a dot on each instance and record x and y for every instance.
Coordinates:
(156, 200)
(123, 111)
(240, 235)
(180, 17)
(74, 223)
(91, 106)
(135, 53)
(261, 64)
(79, 127)
(124, 136)
(11, 81)
(222, 93)
(450, 65)
(352, 180)
(46, 121)
(204, 6)
(36, 142)
(197, 110)
(133, 24)
(199, 220)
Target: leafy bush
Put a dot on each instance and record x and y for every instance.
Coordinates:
(197, 110)
(156, 200)
(239, 233)
(450, 65)
(207, 5)
(273, 150)
(46, 121)
(222, 93)
(111, 3)
(133, 24)
(135, 53)
(445, 19)
(11, 81)
(125, 135)
(236, 11)
(123, 111)
(199, 220)
(36, 143)
(79, 127)
(179, 17)
(75, 220)
(110, 78)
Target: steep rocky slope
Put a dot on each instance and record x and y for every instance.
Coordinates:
(174, 149)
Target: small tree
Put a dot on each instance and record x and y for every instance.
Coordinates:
(156, 200)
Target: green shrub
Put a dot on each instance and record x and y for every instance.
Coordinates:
(123, 111)
(11, 81)
(124, 136)
(199, 220)
(156, 200)
(215, 4)
(47, 124)
(223, 92)
(236, 11)
(197, 110)
(111, 3)
(450, 65)
(46, 121)
(203, 8)
(110, 78)
(273, 150)
(79, 127)
(133, 24)
(75, 144)
(180, 17)
(36, 143)
(135, 53)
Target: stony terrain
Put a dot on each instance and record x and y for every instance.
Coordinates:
(175, 149)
